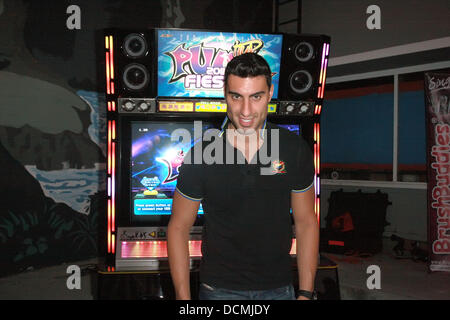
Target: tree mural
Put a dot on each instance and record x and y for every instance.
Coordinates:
(52, 117)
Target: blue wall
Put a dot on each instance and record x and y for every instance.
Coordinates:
(360, 129)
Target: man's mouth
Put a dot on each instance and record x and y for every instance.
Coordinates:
(245, 122)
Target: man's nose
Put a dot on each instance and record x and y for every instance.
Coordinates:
(246, 108)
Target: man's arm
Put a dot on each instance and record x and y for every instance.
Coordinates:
(184, 212)
(307, 234)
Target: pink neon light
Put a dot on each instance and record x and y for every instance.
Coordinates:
(324, 78)
(321, 65)
(109, 147)
(111, 51)
(155, 249)
(113, 189)
(108, 89)
(108, 225)
(113, 178)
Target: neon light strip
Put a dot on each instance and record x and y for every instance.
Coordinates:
(322, 72)
(319, 91)
(113, 178)
(325, 70)
(321, 65)
(317, 209)
(109, 226)
(109, 147)
(324, 77)
(155, 249)
(113, 244)
(317, 170)
(318, 185)
(108, 89)
(113, 106)
(109, 190)
(113, 130)
(111, 52)
(318, 147)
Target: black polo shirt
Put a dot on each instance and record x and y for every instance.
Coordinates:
(247, 234)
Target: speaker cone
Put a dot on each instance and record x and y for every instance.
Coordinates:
(135, 76)
(135, 45)
(300, 81)
(304, 51)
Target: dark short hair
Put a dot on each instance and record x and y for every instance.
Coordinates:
(248, 65)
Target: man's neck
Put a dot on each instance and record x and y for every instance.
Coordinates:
(247, 142)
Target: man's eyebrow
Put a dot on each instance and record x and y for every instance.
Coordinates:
(257, 93)
(253, 94)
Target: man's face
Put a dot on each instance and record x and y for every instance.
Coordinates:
(247, 100)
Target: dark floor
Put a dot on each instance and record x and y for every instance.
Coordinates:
(399, 279)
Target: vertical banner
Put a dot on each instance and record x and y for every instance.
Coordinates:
(437, 103)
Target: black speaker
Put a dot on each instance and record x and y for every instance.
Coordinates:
(134, 63)
(303, 59)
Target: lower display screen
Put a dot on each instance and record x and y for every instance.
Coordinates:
(157, 152)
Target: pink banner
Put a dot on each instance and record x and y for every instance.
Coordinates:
(437, 101)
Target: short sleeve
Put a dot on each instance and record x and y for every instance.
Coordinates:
(304, 178)
(189, 181)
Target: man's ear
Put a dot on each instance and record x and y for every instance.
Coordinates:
(271, 92)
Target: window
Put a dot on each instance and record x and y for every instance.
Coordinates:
(411, 129)
(357, 130)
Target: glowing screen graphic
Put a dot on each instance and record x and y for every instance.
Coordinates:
(155, 159)
(192, 63)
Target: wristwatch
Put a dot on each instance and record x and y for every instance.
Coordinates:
(311, 295)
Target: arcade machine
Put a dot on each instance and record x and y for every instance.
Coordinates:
(163, 84)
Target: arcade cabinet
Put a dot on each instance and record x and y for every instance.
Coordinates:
(164, 82)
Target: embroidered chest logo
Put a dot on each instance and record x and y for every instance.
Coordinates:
(278, 167)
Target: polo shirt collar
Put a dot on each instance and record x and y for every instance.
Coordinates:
(223, 127)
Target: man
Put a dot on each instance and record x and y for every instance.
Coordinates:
(247, 232)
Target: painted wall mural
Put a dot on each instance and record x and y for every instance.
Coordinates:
(52, 118)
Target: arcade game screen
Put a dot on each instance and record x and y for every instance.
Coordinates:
(192, 63)
(295, 128)
(157, 151)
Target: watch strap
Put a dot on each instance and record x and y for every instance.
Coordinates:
(308, 294)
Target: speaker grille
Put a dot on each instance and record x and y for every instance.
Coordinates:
(304, 51)
(135, 76)
(301, 67)
(300, 81)
(134, 63)
(135, 46)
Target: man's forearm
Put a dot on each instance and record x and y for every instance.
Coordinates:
(307, 254)
(178, 251)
